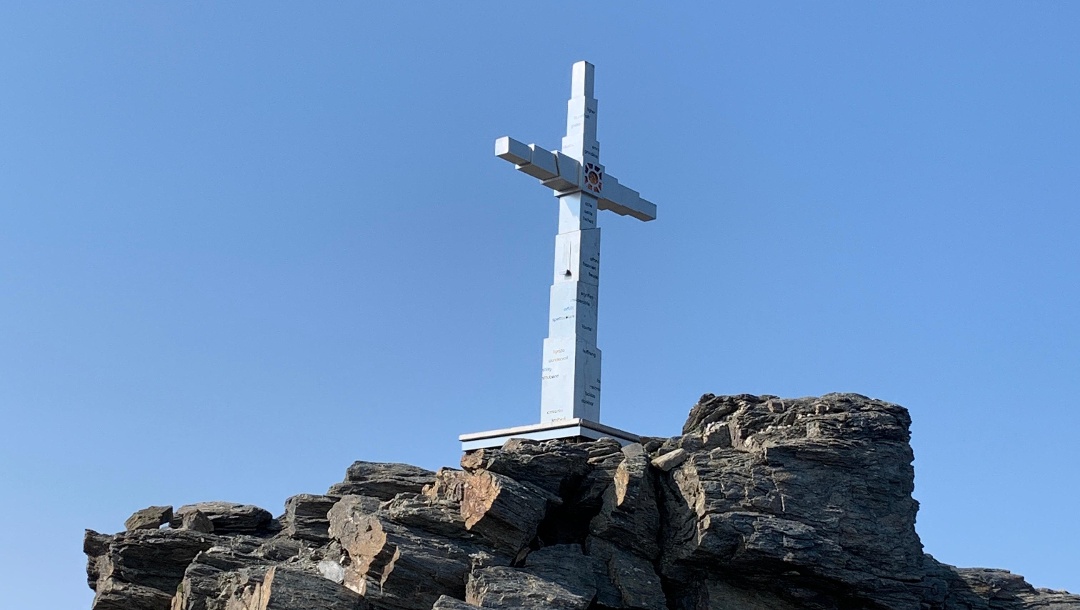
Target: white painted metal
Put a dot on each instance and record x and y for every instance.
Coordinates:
(513, 151)
(567, 428)
(570, 383)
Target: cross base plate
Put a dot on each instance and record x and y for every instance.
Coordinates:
(564, 428)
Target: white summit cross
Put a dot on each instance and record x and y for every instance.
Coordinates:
(570, 385)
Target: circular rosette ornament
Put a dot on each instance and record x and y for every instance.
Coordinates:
(594, 178)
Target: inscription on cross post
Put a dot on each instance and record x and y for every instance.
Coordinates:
(570, 369)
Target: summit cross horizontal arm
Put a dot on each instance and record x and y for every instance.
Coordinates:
(563, 174)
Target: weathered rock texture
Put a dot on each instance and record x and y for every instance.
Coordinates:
(761, 503)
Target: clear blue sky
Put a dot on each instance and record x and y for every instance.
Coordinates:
(242, 246)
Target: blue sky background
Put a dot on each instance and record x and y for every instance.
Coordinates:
(242, 246)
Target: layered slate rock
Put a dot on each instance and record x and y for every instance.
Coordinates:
(624, 579)
(227, 517)
(305, 517)
(554, 466)
(630, 514)
(504, 511)
(197, 521)
(397, 565)
(382, 481)
(445, 602)
(559, 577)
(818, 487)
(149, 518)
(761, 503)
(281, 588)
(140, 568)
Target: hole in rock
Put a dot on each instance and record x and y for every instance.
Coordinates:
(566, 524)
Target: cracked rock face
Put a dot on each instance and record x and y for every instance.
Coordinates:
(819, 487)
(761, 503)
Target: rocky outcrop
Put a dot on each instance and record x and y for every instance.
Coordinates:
(306, 517)
(140, 568)
(761, 503)
(820, 488)
(225, 517)
(149, 518)
(383, 481)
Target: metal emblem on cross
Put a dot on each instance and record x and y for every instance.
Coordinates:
(570, 376)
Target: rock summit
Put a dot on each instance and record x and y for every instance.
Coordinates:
(761, 503)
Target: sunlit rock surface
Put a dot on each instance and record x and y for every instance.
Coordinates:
(761, 503)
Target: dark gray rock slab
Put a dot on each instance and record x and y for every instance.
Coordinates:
(819, 486)
(506, 588)
(445, 602)
(271, 588)
(670, 460)
(228, 517)
(196, 521)
(605, 455)
(215, 578)
(630, 514)
(625, 579)
(151, 517)
(394, 565)
(496, 507)
(133, 563)
(554, 466)
(365, 504)
(96, 548)
(305, 517)
(599, 450)
(118, 595)
(954, 588)
(382, 480)
(566, 565)
(502, 510)
(283, 588)
(438, 516)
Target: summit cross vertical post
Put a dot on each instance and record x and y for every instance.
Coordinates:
(570, 378)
